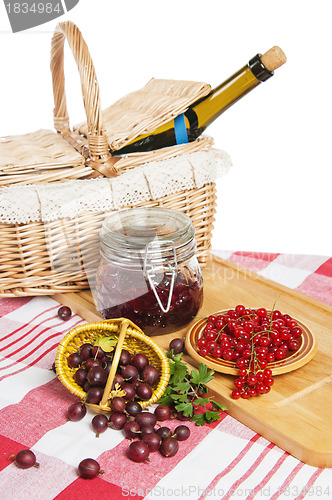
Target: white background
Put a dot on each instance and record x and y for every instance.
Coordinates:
(277, 197)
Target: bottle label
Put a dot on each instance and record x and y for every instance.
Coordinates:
(180, 130)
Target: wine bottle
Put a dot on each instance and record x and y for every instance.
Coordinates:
(190, 125)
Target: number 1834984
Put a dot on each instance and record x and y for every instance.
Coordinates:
(34, 8)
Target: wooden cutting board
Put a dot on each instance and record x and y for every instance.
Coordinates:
(295, 415)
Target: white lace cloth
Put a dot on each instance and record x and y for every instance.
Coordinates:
(154, 180)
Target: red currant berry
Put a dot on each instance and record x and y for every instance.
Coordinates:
(255, 319)
(251, 380)
(262, 364)
(280, 354)
(280, 322)
(257, 338)
(225, 344)
(260, 388)
(293, 345)
(276, 314)
(240, 309)
(284, 333)
(241, 363)
(203, 352)
(233, 314)
(239, 382)
(201, 342)
(231, 325)
(240, 347)
(248, 326)
(210, 346)
(268, 381)
(264, 341)
(277, 341)
(261, 312)
(239, 332)
(270, 357)
(246, 354)
(211, 335)
(219, 324)
(217, 352)
(236, 394)
(228, 355)
(261, 356)
(243, 372)
(296, 331)
(262, 350)
(212, 319)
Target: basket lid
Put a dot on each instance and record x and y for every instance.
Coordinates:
(40, 156)
(143, 111)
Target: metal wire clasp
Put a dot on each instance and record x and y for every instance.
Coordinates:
(150, 269)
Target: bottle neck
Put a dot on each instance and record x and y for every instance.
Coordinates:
(202, 113)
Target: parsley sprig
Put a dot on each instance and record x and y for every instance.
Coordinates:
(186, 389)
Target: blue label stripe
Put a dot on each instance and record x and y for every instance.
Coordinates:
(180, 130)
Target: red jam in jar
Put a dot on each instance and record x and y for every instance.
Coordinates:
(149, 272)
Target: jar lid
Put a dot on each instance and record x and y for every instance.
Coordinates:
(134, 229)
(137, 227)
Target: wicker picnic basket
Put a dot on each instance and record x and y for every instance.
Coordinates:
(128, 337)
(74, 155)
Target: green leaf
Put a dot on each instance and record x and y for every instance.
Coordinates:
(187, 408)
(182, 387)
(107, 344)
(211, 416)
(178, 371)
(202, 376)
(218, 406)
(178, 357)
(175, 357)
(166, 398)
(201, 401)
(198, 418)
(179, 397)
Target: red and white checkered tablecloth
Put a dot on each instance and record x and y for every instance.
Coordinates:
(222, 460)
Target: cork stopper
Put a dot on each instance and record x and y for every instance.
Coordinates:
(273, 58)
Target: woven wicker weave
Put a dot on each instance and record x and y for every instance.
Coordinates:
(135, 341)
(27, 265)
(41, 156)
(141, 112)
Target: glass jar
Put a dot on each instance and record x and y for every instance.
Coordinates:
(148, 271)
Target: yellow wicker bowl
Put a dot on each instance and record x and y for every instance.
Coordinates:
(135, 341)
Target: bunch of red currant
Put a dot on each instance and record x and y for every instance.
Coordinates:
(251, 338)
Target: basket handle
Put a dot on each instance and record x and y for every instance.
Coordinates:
(99, 155)
(116, 359)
